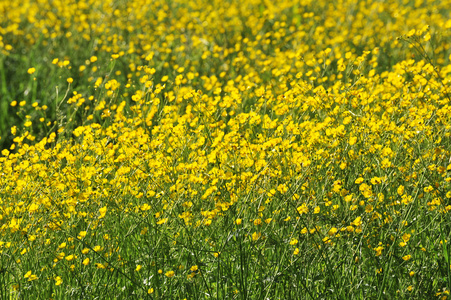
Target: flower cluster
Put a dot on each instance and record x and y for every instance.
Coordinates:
(227, 148)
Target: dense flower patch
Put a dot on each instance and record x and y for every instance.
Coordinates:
(234, 149)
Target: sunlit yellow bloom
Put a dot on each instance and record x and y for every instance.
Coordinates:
(303, 209)
(102, 212)
(162, 221)
(256, 236)
(407, 257)
(58, 280)
(169, 274)
(378, 250)
(332, 231)
(70, 257)
(357, 221)
(100, 266)
(30, 276)
(400, 190)
(194, 268)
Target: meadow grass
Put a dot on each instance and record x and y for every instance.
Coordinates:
(225, 149)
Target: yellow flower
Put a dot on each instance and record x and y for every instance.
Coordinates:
(332, 231)
(33, 208)
(386, 163)
(31, 70)
(400, 190)
(378, 250)
(30, 276)
(357, 222)
(368, 208)
(58, 280)
(406, 237)
(256, 236)
(194, 268)
(359, 180)
(162, 221)
(86, 261)
(303, 209)
(169, 274)
(376, 180)
(428, 189)
(70, 257)
(257, 222)
(102, 212)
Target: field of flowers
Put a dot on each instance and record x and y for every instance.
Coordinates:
(225, 149)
